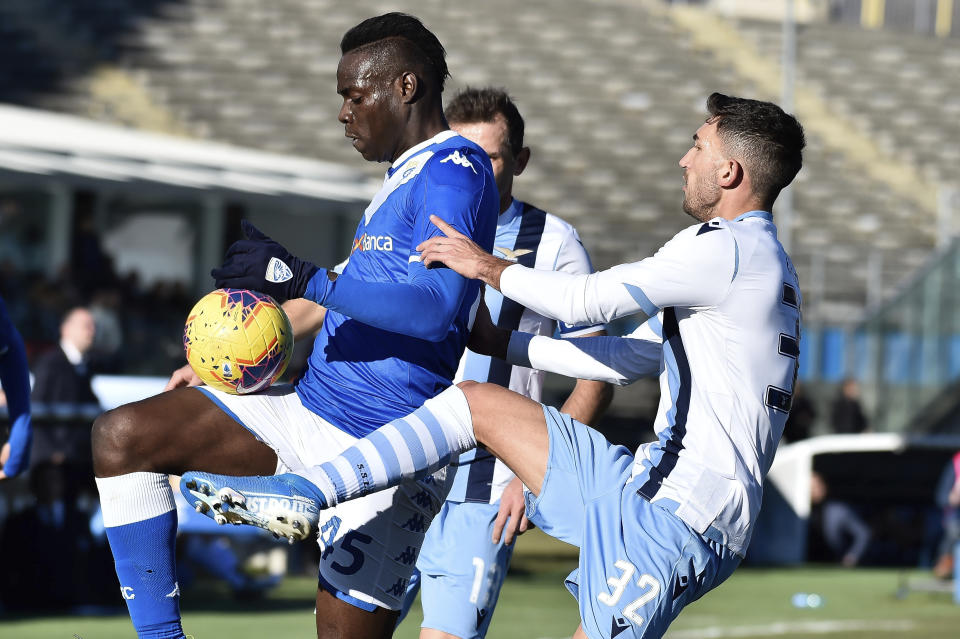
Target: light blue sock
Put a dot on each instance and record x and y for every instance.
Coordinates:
(144, 550)
(406, 448)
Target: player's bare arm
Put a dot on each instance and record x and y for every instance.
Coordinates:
(463, 255)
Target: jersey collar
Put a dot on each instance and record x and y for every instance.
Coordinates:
(515, 209)
(766, 215)
(443, 136)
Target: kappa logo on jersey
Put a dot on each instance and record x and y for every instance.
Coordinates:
(278, 271)
(510, 254)
(175, 592)
(422, 499)
(127, 592)
(617, 626)
(372, 243)
(456, 158)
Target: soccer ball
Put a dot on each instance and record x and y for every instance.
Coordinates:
(238, 341)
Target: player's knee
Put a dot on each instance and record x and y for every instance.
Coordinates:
(113, 441)
(478, 395)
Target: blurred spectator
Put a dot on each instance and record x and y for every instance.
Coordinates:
(948, 499)
(802, 415)
(846, 414)
(65, 404)
(845, 533)
(108, 330)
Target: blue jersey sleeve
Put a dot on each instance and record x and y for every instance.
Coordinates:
(15, 377)
(457, 187)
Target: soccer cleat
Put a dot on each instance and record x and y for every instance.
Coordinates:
(286, 505)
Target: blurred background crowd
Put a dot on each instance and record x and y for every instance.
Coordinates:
(137, 133)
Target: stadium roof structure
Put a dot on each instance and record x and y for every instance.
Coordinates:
(45, 143)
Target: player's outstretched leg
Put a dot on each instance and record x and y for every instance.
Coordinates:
(509, 425)
(406, 448)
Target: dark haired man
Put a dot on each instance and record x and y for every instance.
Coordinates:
(468, 547)
(390, 335)
(658, 529)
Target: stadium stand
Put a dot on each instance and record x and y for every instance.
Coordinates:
(610, 88)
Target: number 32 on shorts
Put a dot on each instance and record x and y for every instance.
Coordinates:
(619, 584)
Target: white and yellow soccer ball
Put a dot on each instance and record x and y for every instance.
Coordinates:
(238, 341)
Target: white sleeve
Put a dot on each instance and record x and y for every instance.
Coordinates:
(695, 268)
(572, 258)
(618, 360)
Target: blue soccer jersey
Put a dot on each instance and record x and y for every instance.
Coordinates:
(361, 376)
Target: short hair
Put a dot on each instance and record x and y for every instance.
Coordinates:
(768, 142)
(483, 105)
(421, 46)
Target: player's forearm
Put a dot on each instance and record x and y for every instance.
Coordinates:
(15, 377)
(306, 317)
(574, 299)
(616, 360)
(425, 308)
(588, 401)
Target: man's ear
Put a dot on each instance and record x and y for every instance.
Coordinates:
(409, 86)
(521, 160)
(730, 174)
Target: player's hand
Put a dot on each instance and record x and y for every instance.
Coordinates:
(261, 264)
(511, 519)
(183, 376)
(460, 253)
(486, 338)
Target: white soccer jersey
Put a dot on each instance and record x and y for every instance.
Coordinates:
(723, 334)
(537, 239)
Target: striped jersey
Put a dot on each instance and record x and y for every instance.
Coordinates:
(534, 238)
(724, 330)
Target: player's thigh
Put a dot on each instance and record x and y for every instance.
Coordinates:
(462, 570)
(337, 619)
(511, 427)
(173, 432)
(582, 467)
(370, 545)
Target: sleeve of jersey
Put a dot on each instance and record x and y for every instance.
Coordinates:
(573, 258)
(427, 303)
(617, 360)
(691, 270)
(15, 378)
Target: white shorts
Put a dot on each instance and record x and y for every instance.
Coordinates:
(370, 545)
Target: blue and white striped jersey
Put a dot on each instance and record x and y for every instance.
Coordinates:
(534, 238)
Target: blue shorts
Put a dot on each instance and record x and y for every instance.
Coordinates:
(639, 563)
(462, 570)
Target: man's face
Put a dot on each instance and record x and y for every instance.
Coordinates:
(493, 138)
(701, 165)
(79, 330)
(370, 107)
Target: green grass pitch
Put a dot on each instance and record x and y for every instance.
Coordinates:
(755, 603)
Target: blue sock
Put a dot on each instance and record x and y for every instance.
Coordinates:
(144, 554)
(406, 448)
(140, 520)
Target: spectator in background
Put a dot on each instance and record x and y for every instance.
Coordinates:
(63, 395)
(846, 413)
(948, 499)
(15, 379)
(845, 533)
(802, 415)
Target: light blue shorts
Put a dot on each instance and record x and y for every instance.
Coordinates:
(639, 563)
(461, 570)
